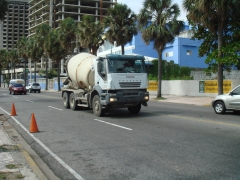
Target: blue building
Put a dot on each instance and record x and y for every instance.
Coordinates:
(183, 51)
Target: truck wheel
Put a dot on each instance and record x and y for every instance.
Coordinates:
(219, 107)
(72, 102)
(66, 100)
(134, 109)
(97, 107)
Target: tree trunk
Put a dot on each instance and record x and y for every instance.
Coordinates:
(46, 73)
(14, 71)
(58, 75)
(0, 76)
(9, 77)
(94, 50)
(35, 66)
(220, 65)
(122, 46)
(159, 92)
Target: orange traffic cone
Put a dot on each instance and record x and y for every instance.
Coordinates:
(33, 125)
(13, 111)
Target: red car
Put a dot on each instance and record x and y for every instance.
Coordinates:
(17, 88)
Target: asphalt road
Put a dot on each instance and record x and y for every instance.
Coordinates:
(164, 141)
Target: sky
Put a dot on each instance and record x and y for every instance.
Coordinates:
(136, 5)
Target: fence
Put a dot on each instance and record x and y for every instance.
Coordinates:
(192, 87)
(52, 83)
(169, 87)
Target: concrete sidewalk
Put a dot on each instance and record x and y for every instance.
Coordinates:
(15, 162)
(191, 100)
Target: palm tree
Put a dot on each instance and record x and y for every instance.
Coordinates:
(214, 16)
(121, 25)
(3, 62)
(67, 33)
(41, 32)
(158, 23)
(34, 53)
(8, 61)
(13, 56)
(90, 33)
(55, 50)
(22, 52)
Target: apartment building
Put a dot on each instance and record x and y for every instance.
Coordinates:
(15, 24)
(52, 12)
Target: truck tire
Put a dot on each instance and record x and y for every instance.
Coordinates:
(72, 102)
(134, 109)
(66, 100)
(97, 107)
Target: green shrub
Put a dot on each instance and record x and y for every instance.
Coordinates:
(170, 71)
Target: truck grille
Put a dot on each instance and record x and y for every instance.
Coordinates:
(129, 84)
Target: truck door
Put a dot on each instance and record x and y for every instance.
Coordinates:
(102, 73)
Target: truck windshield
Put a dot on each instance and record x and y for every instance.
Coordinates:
(126, 66)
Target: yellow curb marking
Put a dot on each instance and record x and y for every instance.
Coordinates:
(208, 121)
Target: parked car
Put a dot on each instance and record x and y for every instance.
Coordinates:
(227, 102)
(34, 87)
(17, 88)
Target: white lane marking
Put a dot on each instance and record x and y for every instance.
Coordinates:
(113, 124)
(29, 101)
(15, 97)
(55, 108)
(74, 173)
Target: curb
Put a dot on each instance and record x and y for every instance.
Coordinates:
(31, 171)
(32, 164)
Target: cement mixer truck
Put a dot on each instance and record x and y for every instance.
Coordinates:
(111, 81)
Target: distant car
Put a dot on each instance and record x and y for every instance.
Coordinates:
(34, 87)
(28, 86)
(227, 102)
(16, 81)
(17, 89)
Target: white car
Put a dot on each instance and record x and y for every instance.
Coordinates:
(227, 102)
(33, 87)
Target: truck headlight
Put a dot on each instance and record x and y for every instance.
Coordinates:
(146, 98)
(113, 99)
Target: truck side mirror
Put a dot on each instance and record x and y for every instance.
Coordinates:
(103, 74)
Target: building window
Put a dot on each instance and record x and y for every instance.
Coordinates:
(189, 52)
(168, 54)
